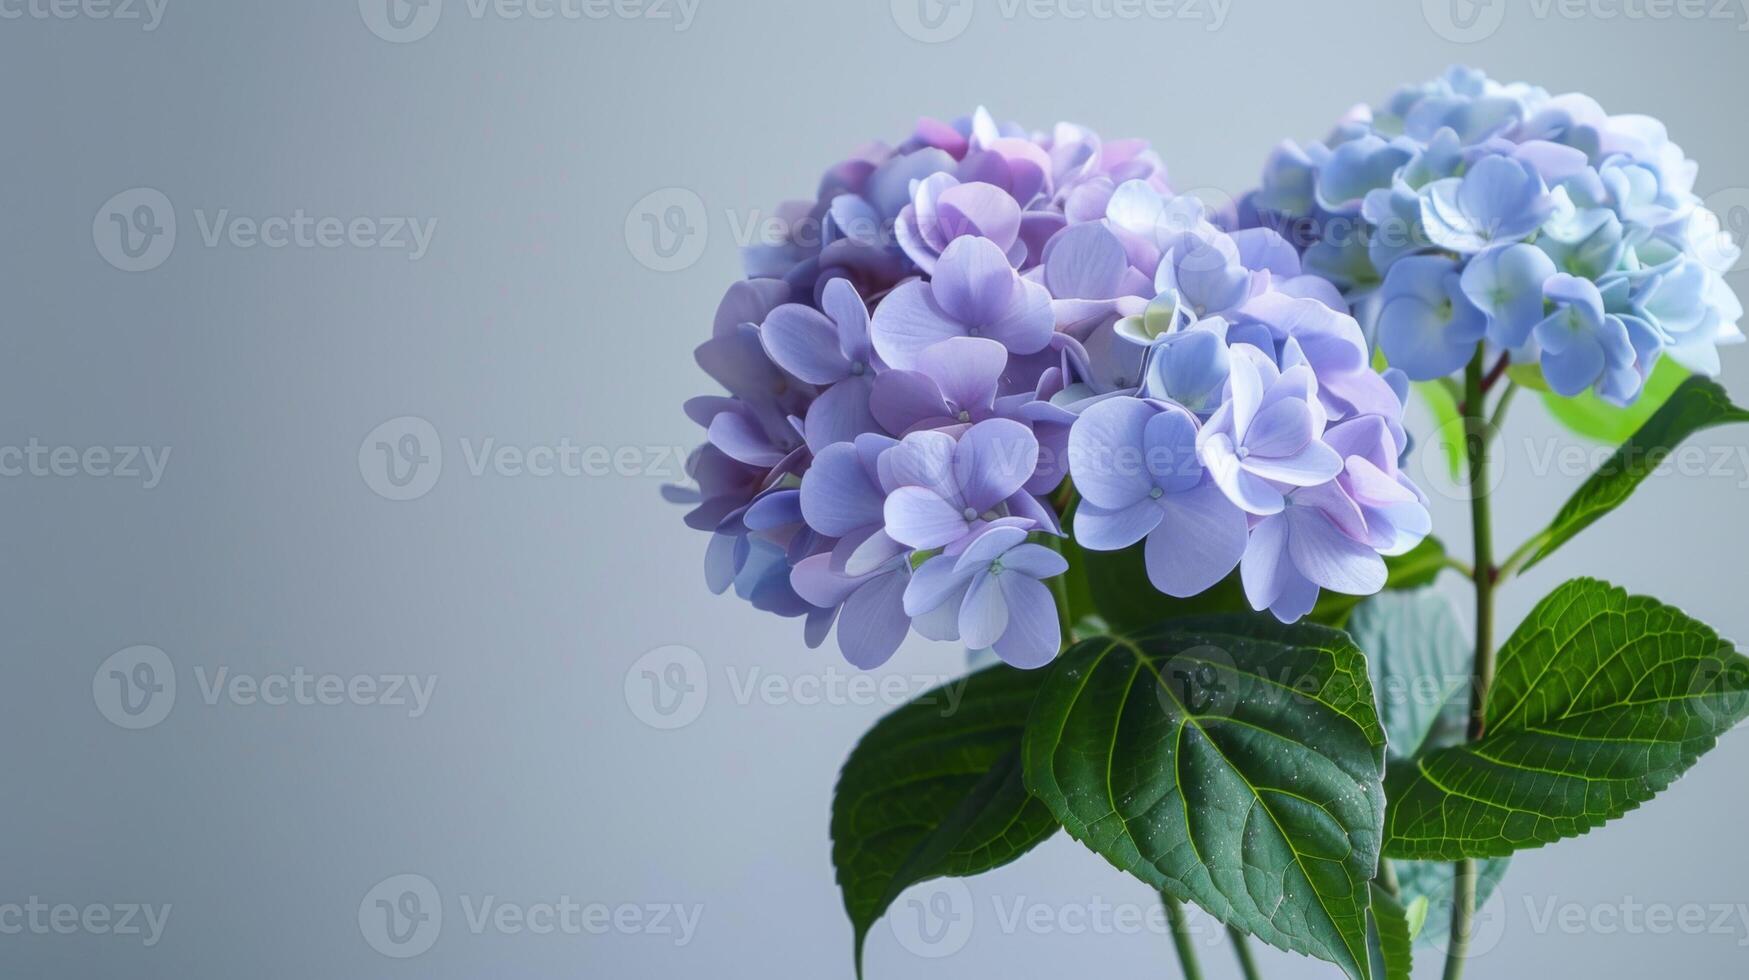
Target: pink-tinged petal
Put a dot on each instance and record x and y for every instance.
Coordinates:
(1337, 506)
(934, 584)
(1034, 632)
(1367, 436)
(1330, 558)
(1374, 487)
(1252, 494)
(1029, 322)
(907, 323)
(981, 210)
(993, 460)
(873, 622)
(1266, 567)
(837, 496)
(1098, 529)
(840, 414)
(1106, 457)
(921, 519)
(925, 213)
(966, 369)
(803, 342)
(984, 613)
(1034, 561)
(1199, 542)
(1036, 230)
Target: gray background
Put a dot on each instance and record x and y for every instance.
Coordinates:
(534, 318)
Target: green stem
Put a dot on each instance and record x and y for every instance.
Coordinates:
(1181, 937)
(1242, 949)
(1479, 429)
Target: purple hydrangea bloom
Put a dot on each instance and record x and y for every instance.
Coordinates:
(975, 293)
(958, 324)
(946, 491)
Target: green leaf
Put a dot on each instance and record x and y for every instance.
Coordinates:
(1389, 945)
(935, 789)
(1698, 404)
(1598, 420)
(1531, 376)
(1228, 761)
(1411, 570)
(1442, 402)
(1600, 701)
(1420, 659)
(1416, 914)
(1431, 884)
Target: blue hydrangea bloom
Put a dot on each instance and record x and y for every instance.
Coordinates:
(1464, 174)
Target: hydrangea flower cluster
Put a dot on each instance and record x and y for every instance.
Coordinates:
(1465, 210)
(957, 326)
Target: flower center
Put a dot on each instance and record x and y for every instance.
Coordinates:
(964, 416)
(971, 513)
(1244, 452)
(975, 331)
(857, 368)
(1156, 493)
(996, 566)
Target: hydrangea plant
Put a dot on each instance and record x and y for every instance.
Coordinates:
(1007, 390)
